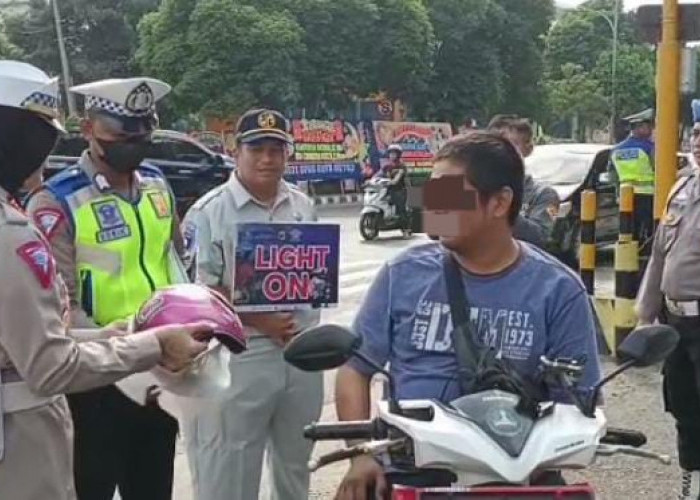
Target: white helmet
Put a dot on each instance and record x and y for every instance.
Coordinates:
(26, 87)
(395, 148)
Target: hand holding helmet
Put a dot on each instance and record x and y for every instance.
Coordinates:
(194, 306)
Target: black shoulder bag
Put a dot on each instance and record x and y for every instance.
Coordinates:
(480, 367)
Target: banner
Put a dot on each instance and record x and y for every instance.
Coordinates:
(419, 141)
(325, 150)
(286, 266)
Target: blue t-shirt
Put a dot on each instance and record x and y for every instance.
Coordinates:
(536, 307)
(635, 143)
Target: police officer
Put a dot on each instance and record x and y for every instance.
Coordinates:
(632, 162)
(270, 401)
(112, 225)
(540, 203)
(38, 361)
(670, 293)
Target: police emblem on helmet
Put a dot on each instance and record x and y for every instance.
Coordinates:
(140, 99)
(267, 120)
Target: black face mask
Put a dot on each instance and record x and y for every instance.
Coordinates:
(125, 157)
(25, 142)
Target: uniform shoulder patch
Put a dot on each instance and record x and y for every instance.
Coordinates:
(40, 261)
(48, 220)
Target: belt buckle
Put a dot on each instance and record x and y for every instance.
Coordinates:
(683, 308)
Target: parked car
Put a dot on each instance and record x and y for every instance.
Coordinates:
(191, 168)
(569, 169)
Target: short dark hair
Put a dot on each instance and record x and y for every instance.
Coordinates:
(500, 123)
(491, 163)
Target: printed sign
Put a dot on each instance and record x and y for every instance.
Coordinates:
(419, 141)
(325, 150)
(286, 266)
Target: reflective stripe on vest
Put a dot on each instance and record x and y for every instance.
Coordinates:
(123, 250)
(633, 167)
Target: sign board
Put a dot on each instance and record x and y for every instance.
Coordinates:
(419, 141)
(649, 20)
(286, 266)
(325, 150)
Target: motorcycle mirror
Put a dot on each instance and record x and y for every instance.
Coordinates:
(321, 348)
(648, 345)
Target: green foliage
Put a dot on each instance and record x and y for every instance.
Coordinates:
(578, 93)
(8, 50)
(99, 36)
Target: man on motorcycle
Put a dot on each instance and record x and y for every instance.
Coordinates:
(523, 303)
(397, 172)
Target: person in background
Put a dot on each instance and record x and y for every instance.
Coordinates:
(270, 401)
(632, 162)
(540, 205)
(112, 224)
(670, 293)
(39, 359)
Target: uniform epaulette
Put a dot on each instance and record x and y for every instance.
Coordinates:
(149, 170)
(67, 181)
(209, 197)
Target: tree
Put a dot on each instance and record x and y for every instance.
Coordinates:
(7, 49)
(403, 48)
(522, 43)
(577, 93)
(466, 76)
(335, 67)
(99, 36)
(225, 55)
(635, 78)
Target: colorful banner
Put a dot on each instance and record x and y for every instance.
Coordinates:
(286, 266)
(325, 150)
(419, 141)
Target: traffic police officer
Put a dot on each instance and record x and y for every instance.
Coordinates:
(270, 401)
(540, 203)
(112, 225)
(38, 361)
(670, 293)
(632, 162)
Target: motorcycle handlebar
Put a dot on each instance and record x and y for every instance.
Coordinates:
(624, 437)
(362, 429)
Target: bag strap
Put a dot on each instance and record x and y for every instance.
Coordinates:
(463, 336)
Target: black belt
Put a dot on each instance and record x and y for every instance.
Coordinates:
(9, 375)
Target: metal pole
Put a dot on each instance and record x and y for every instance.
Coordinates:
(67, 80)
(613, 104)
(667, 106)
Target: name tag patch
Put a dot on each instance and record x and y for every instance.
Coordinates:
(160, 205)
(111, 221)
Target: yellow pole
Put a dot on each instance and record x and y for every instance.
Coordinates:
(667, 106)
(587, 249)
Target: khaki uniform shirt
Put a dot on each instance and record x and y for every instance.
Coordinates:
(62, 238)
(34, 345)
(210, 229)
(674, 268)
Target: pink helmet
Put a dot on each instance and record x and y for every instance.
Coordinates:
(188, 303)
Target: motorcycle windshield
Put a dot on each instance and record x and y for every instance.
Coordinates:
(495, 413)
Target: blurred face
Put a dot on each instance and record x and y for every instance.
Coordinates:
(522, 142)
(644, 131)
(122, 151)
(454, 211)
(394, 156)
(261, 163)
(695, 143)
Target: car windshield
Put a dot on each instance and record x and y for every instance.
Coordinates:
(559, 167)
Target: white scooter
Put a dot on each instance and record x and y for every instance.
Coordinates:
(480, 446)
(377, 213)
